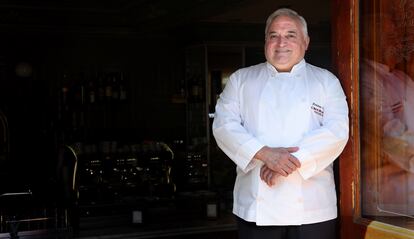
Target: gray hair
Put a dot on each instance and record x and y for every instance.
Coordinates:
(289, 13)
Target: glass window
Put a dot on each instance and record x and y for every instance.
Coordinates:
(387, 110)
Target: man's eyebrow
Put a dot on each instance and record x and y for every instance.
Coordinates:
(289, 31)
(293, 31)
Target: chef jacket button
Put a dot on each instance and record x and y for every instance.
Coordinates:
(300, 200)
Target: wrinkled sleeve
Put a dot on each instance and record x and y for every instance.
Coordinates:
(320, 147)
(228, 130)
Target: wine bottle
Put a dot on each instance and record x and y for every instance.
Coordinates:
(115, 87)
(65, 92)
(108, 88)
(91, 92)
(122, 88)
(101, 88)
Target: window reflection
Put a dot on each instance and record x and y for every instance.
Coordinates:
(387, 109)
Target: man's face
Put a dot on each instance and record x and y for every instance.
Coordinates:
(285, 43)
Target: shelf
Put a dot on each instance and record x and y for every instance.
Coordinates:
(167, 221)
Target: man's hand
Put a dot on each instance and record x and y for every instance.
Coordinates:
(268, 176)
(279, 160)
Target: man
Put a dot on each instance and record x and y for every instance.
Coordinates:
(283, 123)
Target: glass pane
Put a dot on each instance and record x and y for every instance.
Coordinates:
(387, 110)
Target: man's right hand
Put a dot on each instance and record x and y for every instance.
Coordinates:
(279, 160)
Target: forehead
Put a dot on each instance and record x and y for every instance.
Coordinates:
(285, 23)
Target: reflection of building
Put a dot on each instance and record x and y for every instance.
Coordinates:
(387, 111)
(388, 93)
(378, 201)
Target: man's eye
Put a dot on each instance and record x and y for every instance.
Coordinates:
(291, 36)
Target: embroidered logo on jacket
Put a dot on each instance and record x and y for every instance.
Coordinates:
(317, 109)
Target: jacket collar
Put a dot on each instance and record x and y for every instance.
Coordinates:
(295, 69)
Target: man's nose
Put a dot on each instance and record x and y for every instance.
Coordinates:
(281, 41)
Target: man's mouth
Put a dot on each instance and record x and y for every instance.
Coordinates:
(282, 51)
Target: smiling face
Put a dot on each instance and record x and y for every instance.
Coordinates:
(285, 43)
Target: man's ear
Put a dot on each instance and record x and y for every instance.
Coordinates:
(307, 40)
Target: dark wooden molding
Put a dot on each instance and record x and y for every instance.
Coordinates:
(345, 56)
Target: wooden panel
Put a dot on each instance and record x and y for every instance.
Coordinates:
(377, 230)
(345, 64)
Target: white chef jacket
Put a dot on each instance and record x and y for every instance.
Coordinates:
(306, 108)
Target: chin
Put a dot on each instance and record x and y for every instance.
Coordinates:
(282, 64)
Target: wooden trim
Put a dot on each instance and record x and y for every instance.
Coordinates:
(381, 230)
(345, 60)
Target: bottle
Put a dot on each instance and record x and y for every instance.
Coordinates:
(122, 88)
(91, 93)
(108, 88)
(200, 92)
(79, 90)
(115, 87)
(65, 92)
(101, 88)
(194, 89)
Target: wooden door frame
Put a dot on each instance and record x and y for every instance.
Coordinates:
(345, 57)
(345, 64)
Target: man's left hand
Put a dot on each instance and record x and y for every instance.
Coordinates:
(268, 176)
